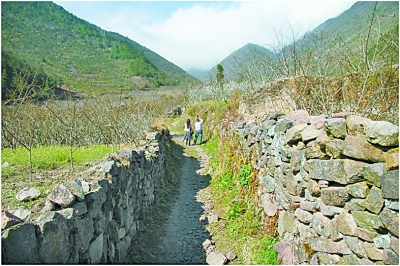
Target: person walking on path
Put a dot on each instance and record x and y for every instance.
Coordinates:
(188, 132)
(199, 130)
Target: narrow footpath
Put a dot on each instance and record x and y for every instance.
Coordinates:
(185, 229)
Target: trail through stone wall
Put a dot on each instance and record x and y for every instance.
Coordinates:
(184, 231)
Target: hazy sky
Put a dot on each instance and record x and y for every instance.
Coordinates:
(199, 34)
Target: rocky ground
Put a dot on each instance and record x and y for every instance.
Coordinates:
(178, 235)
(184, 230)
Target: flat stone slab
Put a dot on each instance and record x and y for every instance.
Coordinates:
(27, 193)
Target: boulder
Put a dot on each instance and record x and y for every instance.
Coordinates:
(342, 171)
(392, 159)
(269, 204)
(55, 240)
(374, 201)
(372, 173)
(390, 184)
(360, 148)
(390, 257)
(327, 245)
(373, 252)
(382, 241)
(306, 232)
(358, 190)
(365, 234)
(231, 256)
(356, 125)
(22, 214)
(285, 253)
(334, 148)
(367, 220)
(27, 193)
(313, 151)
(121, 249)
(356, 246)
(310, 133)
(287, 222)
(328, 210)
(318, 121)
(320, 258)
(298, 115)
(216, 258)
(346, 225)
(96, 250)
(206, 244)
(390, 220)
(355, 205)
(303, 216)
(349, 260)
(213, 218)
(84, 232)
(321, 224)
(394, 244)
(336, 127)
(62, 196)
(19, 245)
(314, 188)
(392, 204)
(335, 196)
(75, 187)
(8, 219)
(382, 133)
(282, 125)
(293, 134)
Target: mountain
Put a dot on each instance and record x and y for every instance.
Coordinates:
(43, 45)
(358, 17)
(237, 62)
(346, 27)
(197, 73)
(353, 24)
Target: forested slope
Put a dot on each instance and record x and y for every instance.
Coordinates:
(44, 45)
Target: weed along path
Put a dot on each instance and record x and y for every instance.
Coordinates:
(181, 229)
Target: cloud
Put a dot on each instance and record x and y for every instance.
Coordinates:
(200, 34)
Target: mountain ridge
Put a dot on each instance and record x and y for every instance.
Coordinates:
(42, 43)
(357, 16)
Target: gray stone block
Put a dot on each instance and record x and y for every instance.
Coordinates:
(19, 245)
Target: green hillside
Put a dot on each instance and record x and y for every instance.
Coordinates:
(44, 45)
(363, 27)
(368, 28)
(358, 17)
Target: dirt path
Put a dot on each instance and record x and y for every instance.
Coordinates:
(184, 230)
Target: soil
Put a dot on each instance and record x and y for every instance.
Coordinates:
(177, 235)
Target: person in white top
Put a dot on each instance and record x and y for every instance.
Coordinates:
(199, 130)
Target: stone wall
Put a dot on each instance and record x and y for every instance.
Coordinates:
(92, 219)
(333, 182)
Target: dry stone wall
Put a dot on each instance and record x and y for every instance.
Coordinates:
(333, 182)
(95, 221)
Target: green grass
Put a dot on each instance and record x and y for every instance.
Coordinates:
(51, 167)
(54, 156)
(242, 228)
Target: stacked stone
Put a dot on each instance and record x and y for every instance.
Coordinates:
(90, 222)
(334, 182)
